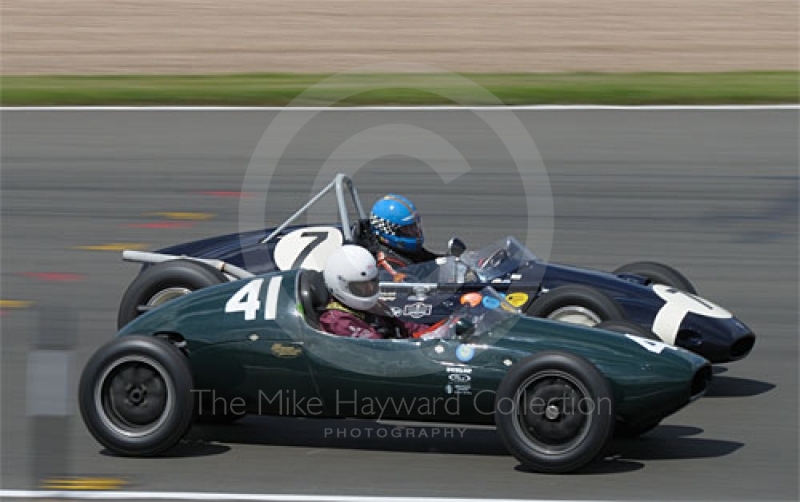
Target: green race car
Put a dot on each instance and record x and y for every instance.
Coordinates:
(555, 392)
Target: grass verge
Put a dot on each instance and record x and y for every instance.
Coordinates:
(403, 89)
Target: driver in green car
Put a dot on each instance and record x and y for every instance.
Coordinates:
(351, 275)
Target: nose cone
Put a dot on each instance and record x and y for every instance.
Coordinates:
(718, 340)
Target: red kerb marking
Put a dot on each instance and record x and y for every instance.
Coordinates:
(54, 276)
(161, 224)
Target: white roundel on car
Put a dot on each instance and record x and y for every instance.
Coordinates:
(676, 305)
(307, 248)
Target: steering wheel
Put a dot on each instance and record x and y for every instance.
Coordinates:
(460, 326)
(495, 259)
(431, 328)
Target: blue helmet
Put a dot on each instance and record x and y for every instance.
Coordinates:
(396, 223)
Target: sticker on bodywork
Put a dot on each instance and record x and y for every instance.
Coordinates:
(465, 353)
(471, 299)
(490, 302)
(307, 248)
(280, 350)
(517, 299)
(460, 380)
(677, 304)
(417, 310)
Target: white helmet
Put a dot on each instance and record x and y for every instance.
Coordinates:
(351, 276)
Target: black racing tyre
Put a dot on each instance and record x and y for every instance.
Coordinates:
(658, 273)
(577, 304)
(162, 282)
(629, 328)
(135, 395)
(554, 412)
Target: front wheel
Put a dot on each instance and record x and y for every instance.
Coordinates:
(165, 281)
(135, 395)
(658, 273)
(576, 304)
(554, 412)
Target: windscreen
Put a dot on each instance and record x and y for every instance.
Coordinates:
(503, 257)
(485, 310)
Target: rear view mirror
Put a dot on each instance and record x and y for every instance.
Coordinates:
(464, 326)
(456, 247)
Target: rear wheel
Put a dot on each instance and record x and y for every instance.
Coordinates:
(163, 282)
(554, 412)
(658, 273)
(135, 395)
(576, 304)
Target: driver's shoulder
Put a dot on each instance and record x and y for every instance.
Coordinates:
(337, 309)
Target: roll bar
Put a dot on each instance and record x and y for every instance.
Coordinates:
(340, 183)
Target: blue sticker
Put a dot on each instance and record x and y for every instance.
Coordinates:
(465, 353)
(490, 302)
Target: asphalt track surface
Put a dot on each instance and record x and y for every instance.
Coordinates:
(714, 193)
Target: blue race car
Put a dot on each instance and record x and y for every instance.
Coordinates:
(644, 298)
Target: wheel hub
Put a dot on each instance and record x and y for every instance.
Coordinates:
(551, 416)
(575, 314)
(136, 396)
(552, 412)
(163, 297)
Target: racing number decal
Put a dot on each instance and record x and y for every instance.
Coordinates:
(307, 248)
(247, 299)
(651, 345)
(676, 305)
(317, 239)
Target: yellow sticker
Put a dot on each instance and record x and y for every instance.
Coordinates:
(517, 299)
(114, 246)
(280, 350)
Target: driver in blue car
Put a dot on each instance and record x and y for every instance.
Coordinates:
(351, 276)
(395, 222)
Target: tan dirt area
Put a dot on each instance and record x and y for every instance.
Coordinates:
(227, 36)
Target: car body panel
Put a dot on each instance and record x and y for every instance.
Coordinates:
(246, 249)
(270, 363)
(719, 339)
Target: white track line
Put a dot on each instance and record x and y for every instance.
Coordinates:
(396, 108)
(122, 495)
